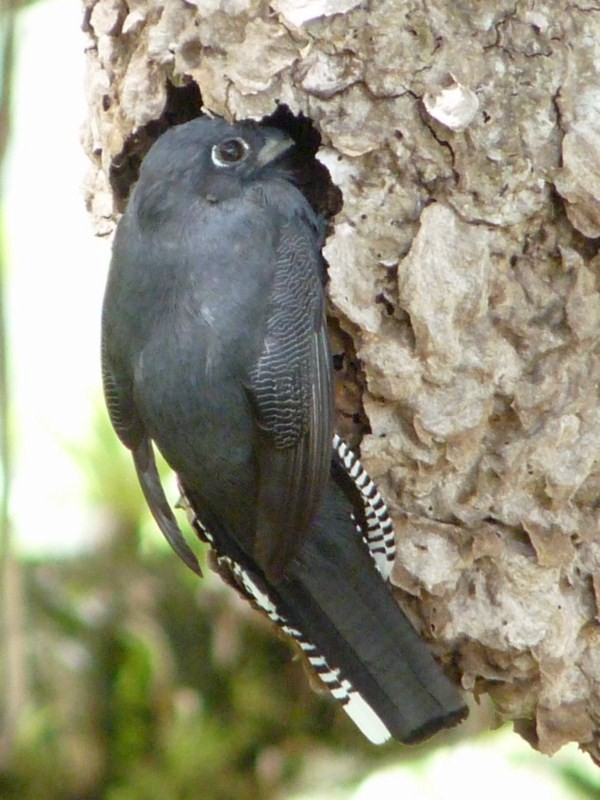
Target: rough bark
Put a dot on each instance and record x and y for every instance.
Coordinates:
(465, 139)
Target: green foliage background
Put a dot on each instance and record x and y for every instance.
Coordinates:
(146, 683)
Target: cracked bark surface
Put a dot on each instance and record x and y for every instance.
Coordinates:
(465, 139)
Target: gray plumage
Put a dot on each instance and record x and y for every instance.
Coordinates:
(215, 348)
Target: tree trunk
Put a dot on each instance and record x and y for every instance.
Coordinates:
(465, 140)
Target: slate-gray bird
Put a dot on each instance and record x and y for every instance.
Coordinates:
(215, 349)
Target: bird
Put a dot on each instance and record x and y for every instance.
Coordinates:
(215, 351)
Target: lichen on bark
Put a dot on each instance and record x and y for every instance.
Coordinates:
(463, 271)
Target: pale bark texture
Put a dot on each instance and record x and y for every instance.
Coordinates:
(463, 275)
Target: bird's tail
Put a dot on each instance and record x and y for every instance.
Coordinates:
(334, 603)
(361, 644)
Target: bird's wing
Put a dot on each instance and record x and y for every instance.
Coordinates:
(290, 388)
(121, 409)
(145, 465)
(118, 393)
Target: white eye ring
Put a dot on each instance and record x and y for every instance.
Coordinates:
(229, 152)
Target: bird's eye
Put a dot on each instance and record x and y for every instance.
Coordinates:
(229, 152)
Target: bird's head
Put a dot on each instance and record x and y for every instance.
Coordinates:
(213, 158)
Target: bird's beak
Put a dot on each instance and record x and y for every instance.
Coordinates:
(276, 143)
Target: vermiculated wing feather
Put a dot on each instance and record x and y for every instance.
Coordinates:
(291, 392)
(119, 400)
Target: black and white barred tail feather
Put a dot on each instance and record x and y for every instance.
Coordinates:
(379, 533)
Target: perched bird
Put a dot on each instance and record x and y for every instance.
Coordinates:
(215, 349)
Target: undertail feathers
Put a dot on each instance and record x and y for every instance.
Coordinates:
(341, 689)
(378, 531)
